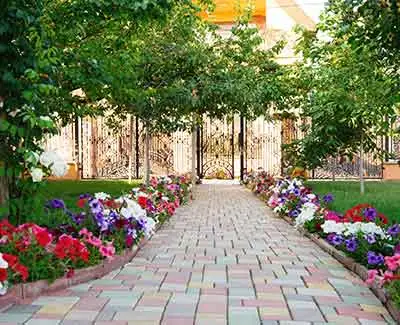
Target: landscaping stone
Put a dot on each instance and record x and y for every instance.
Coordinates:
(224, 259)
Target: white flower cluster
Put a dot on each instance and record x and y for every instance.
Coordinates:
(307, 212)
(135, 211)
(52, 160)
(132, 209)
(102, 196)
(350, 228)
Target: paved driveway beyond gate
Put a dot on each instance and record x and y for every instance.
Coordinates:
(223, 259)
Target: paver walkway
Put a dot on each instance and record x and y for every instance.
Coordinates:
(223, 259)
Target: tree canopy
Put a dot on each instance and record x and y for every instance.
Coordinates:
(347, 82)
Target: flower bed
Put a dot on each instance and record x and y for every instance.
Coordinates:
(103, 233)
(361, 238)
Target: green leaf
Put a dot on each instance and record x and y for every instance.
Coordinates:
(4, 125)
(28, 95)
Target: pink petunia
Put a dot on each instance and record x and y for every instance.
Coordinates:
(85, 232)
(371, 276)
(96, 242)
(107, 251)
(393, 262)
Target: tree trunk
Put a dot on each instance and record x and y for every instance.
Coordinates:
(147, 157)
(4, 190)
(193, 155)
(362, 181)
(131, 150)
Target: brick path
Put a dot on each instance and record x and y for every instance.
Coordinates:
(224, 259)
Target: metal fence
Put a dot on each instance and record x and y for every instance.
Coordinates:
(337, 167)
(104, 152)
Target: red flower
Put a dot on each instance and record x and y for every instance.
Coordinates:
(129, 241)
(81, 203)
(383, 218)
(10, 259)
(3, 275)
(69, 247)
(111, 204)
(43, 238)
(142, 200)
(6, 229)
(120, 223)
(22, 270)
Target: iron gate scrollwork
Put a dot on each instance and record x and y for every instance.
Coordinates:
(232, 146)
(119, 153)
(217, 149)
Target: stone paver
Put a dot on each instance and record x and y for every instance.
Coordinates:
(223, 259)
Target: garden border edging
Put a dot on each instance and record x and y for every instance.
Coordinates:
(19, 292)
(348, 262)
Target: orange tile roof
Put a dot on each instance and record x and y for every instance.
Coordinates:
(227, 10)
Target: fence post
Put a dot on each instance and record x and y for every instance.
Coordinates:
(241, 147)
(137, 149)
(147, 155)
(361, 166)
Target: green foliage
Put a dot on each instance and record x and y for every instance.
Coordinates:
(347, 89)
(49, 49)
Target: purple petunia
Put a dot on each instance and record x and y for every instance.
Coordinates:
(56, 204)
(396, 249)
(85, 196)
(351, 244)
(293, 213)
(394, 230)
(337, 240)
(328, 198)
(78, 218)
(375, 259)
(95, 206)
(370, 214)
(370, 238)
(296, 191)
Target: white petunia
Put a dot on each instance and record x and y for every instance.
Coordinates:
(102, 196)
(37, 175)
(133, 210)
(307, 213)
(149, 227)
(331, 226)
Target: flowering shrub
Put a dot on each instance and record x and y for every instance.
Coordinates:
(361, 232)
(102, 227)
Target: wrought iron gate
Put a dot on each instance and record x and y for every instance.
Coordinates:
(218, 150)
(227, 148)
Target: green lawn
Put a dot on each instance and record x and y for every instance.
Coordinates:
(385, 196)
(69, 191)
